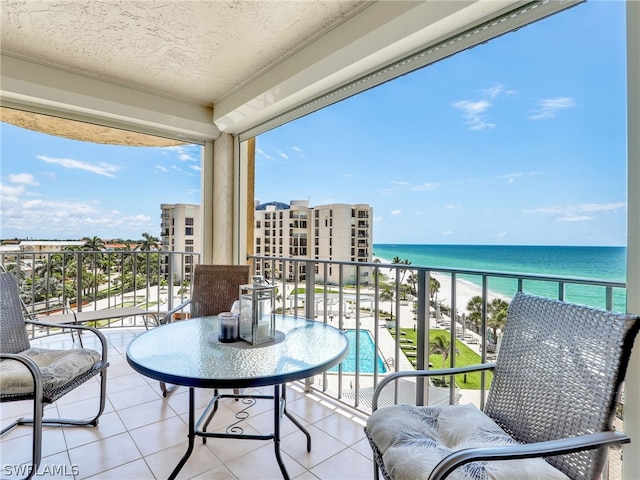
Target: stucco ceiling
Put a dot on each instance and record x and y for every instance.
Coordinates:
(189, 70)
(198, 51)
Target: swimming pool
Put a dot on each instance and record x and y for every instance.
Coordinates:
(367, 354)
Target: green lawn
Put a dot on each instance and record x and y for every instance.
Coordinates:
(300, 291)
(466, 357)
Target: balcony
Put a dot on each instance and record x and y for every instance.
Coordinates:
(144, 434)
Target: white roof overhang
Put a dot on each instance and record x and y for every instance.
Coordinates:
(373, 43)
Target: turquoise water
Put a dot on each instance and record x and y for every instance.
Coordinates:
(602, 263)
(367, 354)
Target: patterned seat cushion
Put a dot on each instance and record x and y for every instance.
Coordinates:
(58, 367)
(413, 440)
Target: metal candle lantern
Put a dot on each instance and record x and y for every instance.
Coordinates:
(257, 312)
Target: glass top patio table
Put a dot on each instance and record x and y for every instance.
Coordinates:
(188, 353)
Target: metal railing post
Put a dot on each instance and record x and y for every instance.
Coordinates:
(79, 285)
(422, 336)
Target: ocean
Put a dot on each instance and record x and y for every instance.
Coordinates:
(601, 263)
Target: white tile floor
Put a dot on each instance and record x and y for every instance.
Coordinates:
(141, 435)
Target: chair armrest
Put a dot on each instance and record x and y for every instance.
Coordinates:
(79, 328)
(426, 373)
(168, 316)
(528, 450)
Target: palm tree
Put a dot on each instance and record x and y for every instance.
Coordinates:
(94, 244)
(441, 345)
(474, 306)
(388, 295)
(149, 242)
(402, 271)
(434, 288)
(497, 310)
(411, 287)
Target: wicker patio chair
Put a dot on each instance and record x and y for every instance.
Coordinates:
(554, 393)
(42, 375)
(214, 288)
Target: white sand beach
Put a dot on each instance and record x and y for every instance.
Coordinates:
(465, 290)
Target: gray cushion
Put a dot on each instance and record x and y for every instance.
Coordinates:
(413, 440)
(58, 367)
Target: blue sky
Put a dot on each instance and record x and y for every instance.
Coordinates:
(518, 141)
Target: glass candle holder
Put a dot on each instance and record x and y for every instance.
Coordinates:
(227, 327)
(257, 312)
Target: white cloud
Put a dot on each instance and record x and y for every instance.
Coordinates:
(493, 92)
(575, 218)
(474, 113)
(160, 168)
(262, 155)
(447, 232)
(482, 126)
(265, 156)
(283, 155)
(601, 207)
(23, 179)
(397, 185)
(497, 90)
(426, 186)
(10, 193)
(396, 212)
(578, 213)
(548, 107)
(103, 168)
(472, 109)
(186, 153)
(65, 218)
(511, 177)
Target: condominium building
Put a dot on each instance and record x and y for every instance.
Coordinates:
(339, 232)
(32, 252)
(180, 229)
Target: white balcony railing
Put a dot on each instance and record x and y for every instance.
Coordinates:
(374, 302)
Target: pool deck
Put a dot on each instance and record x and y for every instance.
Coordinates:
(387, 350)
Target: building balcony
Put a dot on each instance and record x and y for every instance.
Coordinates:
(143, 435)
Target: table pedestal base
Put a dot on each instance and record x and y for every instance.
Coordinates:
(233, 431)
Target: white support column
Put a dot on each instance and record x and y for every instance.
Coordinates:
(206, 202)
(631, 462)
(243, 201)
(217, 201)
